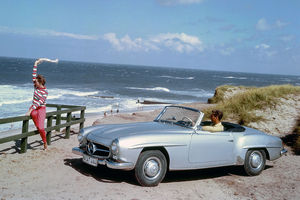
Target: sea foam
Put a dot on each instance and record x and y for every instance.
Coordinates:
(10, 94)
(57, 93)
(176, 77)
(163, 89)
(232, 77)
(194, 93)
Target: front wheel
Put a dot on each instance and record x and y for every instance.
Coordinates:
(151, 168)
(255, 162)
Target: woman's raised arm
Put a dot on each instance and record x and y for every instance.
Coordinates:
(39, 61)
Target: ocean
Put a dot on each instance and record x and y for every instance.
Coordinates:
(102, 87)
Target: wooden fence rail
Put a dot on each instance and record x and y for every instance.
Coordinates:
(60, 109)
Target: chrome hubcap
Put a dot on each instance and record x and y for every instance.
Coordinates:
(152, 167)
(256, 159)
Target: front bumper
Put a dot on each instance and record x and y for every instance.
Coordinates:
(283, 152)
(109, 163)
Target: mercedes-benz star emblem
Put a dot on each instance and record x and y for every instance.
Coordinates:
(91, 148)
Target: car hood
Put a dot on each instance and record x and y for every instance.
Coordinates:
(112, 131)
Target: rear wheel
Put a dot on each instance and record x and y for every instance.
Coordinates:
(255, 162)
(151, 168)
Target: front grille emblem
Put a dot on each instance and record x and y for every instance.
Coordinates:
(91, 148)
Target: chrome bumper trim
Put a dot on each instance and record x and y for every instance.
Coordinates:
(108, 163)
(77, 151)
(117, 165)
(283, 152)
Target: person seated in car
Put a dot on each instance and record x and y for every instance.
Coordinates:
(216, 126)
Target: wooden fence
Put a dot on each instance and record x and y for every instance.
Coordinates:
(50, 116)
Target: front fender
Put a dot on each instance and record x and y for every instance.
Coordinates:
(131, 147)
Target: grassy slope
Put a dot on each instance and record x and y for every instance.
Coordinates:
(241, 106)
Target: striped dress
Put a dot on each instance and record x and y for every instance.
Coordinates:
(40, 94)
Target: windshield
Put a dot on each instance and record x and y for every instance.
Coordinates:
(181, 116)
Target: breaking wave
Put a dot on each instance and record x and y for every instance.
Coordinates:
(162, 89)
(176, 77)
(232, 77)
(10, 94)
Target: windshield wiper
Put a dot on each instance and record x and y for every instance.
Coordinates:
(164, 121)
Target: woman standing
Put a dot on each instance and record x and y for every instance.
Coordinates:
(38, 108)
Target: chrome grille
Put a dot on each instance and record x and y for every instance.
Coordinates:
(97, 150)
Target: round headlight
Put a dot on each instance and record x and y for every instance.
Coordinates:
(80, 136)
(114, 147)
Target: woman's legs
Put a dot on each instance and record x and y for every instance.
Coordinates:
(38, 117)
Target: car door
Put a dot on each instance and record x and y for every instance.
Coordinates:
(211, 148)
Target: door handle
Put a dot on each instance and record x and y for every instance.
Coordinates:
(230, 140)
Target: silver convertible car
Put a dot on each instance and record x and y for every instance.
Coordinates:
(175, 141)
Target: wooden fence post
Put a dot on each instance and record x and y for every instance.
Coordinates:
(81, 117)
(58, 118)
(24, 140)
(68, 128)
(49, 124)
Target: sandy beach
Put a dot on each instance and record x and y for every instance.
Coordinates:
(59, 174)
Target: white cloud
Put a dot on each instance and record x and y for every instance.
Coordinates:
(179, 42)
(281, 24)
(262, 46)
(262, 25)
(126, 43)
(265, 50)
(176, 2)
(65, 34)
(44, 32)
(5, 29)
(111, 37)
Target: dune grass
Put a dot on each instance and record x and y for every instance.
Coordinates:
(241, 106)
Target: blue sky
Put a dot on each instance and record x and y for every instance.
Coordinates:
(246, 36)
